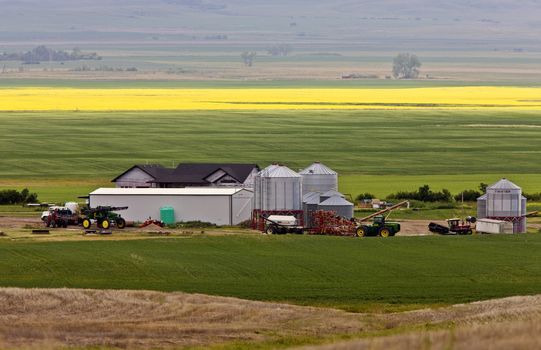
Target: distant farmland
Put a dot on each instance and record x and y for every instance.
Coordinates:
(473, 97)
(65, 154)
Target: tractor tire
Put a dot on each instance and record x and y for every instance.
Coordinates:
(361, 232)
(105, 224)
(86, 224)
(384, 232)
(52, 224)
(65, 224)
(120, 223)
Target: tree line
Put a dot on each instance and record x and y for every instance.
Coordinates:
(43, 53)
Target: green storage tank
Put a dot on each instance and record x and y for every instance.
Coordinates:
(167, 215)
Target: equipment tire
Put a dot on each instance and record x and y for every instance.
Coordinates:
(105, 224)
(86, 224)
(120, 223)
(384, 232)
(360, 232)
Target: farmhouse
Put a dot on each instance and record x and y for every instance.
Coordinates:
(221, 206)
(188, 175)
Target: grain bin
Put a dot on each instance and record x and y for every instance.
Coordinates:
(318, 178)
(482, 207)
(339, 205)
(261, 178)
(331, 193)
(280, 188)
(310, 204)
(504, 199)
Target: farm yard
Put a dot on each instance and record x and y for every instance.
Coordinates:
(64, 140)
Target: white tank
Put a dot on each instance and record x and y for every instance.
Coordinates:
(504, 199)
(73, 206)
(318, 178)
(280, 188)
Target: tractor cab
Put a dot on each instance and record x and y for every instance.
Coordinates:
(460, 227)
(379, 220)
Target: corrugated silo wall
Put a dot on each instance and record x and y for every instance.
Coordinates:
(283, 193)
(481, 208)
(319, 183)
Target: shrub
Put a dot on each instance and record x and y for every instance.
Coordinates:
(363, 196)
(424, 194)
(469, 196)
(16, 197)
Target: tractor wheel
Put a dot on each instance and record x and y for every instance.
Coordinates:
(65, 224)
(86, 224)
(52, 224)
(361, 231)
(120, 223)
(384, 232)
(105, 224)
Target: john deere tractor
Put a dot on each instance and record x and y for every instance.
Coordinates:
(103, 216)
(379, 227)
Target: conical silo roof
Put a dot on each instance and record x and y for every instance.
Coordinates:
(504, 184)
(332, 193)
(282, 171)
(335, 201)
(311, 198)
(483, 197)
(318, 169)
(267, 170)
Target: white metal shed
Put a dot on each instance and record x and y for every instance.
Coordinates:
(221, 206)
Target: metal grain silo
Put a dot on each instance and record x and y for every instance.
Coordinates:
(504, 199)
(310, 204)
(331, 193)
(524, 205)
(482, 207)
(259, 181)
(318, 178)
(339, 205)
(281, 189)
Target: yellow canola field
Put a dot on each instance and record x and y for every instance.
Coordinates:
(71, 99)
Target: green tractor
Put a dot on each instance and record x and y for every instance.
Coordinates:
(379, 227)
(103, 216)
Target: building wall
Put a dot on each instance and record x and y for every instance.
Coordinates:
(217, 209)
(134, 178)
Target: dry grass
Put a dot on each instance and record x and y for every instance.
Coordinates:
(57, 318)
(141, 319)
(509, 323)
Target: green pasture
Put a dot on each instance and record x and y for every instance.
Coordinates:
(349, 273)
(62, 155)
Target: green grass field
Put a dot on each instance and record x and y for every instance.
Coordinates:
(65, 154)
(354, 274)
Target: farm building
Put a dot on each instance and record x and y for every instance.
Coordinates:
(504, 202)
(221, 206)
(188, 175)
(318, 178)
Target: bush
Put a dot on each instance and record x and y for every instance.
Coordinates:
(363, 196)
(534, 197)
(16, 197)
(469, 195)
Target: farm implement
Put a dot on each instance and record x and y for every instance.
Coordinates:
(103, 216)
(380, 226)
(454, 226)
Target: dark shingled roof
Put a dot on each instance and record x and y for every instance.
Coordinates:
(191, 174)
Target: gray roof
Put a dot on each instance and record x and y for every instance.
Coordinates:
(483, 197)
(282, 171)
(504, 184)
(336, 201)
(318, 169)
(332, 193)
(311, 198)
